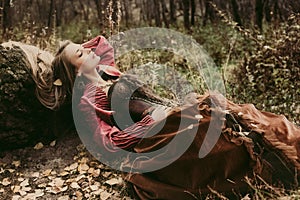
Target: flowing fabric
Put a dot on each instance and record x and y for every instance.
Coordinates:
(252, 142)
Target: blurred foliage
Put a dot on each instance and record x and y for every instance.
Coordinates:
(269, 76)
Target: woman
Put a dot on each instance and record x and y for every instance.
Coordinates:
(251, 142)
(94, 77)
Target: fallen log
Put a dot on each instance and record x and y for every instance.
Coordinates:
(24, 120)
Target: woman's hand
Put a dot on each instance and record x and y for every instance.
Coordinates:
(160, 113)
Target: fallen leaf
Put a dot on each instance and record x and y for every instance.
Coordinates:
(16, 188)
(66, 197)
(78, 195)
(6, 182)
(57, 182)
(114, 181)
(16, 163)
(22, 193)
(87, 195)
(38, 146)
(106, 174)
(64, 173)
(82, 168)
(16, 197)
(20, 179)
(26, 189)
(74, 185)
(84, 160)
(53, 143)
(97, 192)
(24, 183)
(47, 172)
(91, 170)
(64, 189)
(11, 170)
(73, 166)
(70, 180)
(104, 195)
(96, 173)
(94, 187)
(53, 173)
(80, 177)
(38, 193)
(42, 185)
(35, 174)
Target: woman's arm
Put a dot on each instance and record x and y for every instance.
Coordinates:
(93, 106)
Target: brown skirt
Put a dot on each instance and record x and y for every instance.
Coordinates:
(250, 142)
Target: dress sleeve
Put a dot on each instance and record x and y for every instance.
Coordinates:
(102, 48)
(97, 119)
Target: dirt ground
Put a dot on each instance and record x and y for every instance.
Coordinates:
(62, 169)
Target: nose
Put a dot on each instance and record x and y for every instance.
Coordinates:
(87, 50)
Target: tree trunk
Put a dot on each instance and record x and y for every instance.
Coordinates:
(259, 13)
(172, 12)
(186, 13)
(126, 12)
(236, 15)
(7, 17)
(157, 12)
(164, 11)
(59, 12)
(51, 14)
(99, 10)
(193, 11)
(24, 120)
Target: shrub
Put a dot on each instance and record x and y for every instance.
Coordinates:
(269, 77)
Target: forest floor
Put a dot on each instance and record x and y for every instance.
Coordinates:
(61, 170)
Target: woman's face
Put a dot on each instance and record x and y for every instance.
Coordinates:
(83, 59)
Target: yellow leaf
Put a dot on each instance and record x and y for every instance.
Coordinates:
(47, 172)
(38, 146)
(53, 143)
(16, 163)
(57, 82)
(6, 182)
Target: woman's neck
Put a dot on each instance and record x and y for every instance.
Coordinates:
(94, 77)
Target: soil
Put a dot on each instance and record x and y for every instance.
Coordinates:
(62, 169)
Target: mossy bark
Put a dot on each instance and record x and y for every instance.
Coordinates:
(24, 120)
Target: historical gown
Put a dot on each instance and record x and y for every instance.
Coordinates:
(252, 142)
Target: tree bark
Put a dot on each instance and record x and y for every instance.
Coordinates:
(193, 11)
(51, 14)
(186, 13)
(236, 15)
(259, 13)
(164, 11)
(157, 12)
(172, 11)
(24, 121)
(7, 17)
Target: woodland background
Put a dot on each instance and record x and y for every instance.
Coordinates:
(254, 42)
(255, 45)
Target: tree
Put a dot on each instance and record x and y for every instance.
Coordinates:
(259, 4)
(7, 15)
